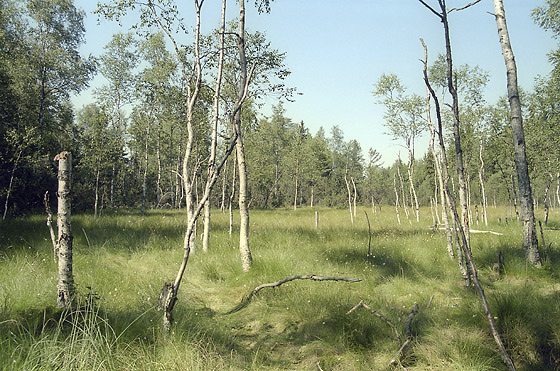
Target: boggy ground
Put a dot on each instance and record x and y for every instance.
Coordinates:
(121, 260)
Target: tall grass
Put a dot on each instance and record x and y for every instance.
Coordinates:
(121, 261)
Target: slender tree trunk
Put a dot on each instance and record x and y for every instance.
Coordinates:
(558, 188)
(436, 193)
(65, 286)
(296, 191)
(530, 241)
(224, 188)
(246, 258)
(349, 194)
(514, 191)
(145, 176)
(11, 182)
(355, 195)
(546, 203)
(465, 246)
(214, 142)
(411, 178)
(396, 198)
(232, 195)
(437, 165)
(482, 188)
(159, 195)
(96, 189)
(112, 190)
(404, 201)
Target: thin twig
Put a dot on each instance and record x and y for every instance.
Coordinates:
(361, 304)
(465, 7)
(430, 302)
(431, 9)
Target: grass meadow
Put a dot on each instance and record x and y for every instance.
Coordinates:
(122, 259)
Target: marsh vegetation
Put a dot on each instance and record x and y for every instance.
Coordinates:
(122, 258)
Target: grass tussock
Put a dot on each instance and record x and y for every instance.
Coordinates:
(122, 259)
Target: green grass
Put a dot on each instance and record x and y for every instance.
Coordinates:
(122, 259)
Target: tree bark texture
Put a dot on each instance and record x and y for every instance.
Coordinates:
(65, 284)
(530, 241)
(246, 258)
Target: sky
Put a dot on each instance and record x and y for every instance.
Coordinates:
(337, 49)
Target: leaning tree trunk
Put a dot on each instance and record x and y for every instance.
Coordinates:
(437, 165)
(65, 285)
(464, 243)
(214, 143)
(530, 241)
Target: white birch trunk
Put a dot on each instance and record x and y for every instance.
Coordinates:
(482, 188)
(396, 198)
(65, 285)
(530, 241)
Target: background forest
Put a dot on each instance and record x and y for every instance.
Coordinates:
(177, 130)
(128, 143)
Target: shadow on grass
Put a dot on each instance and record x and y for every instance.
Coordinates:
(523, 319)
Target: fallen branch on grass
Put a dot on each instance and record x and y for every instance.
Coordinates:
(312, 277)
(479, 231)
(361, 304)
(408, 331)
(407, 326)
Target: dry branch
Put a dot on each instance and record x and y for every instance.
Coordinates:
(479, 231)
(408, 331)
(464, 7)
(407, 326)
(361, 304)
(49, 224)
(245, 301)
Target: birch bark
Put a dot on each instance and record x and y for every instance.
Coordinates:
(65, 284)
(530, 241)
(246, 258)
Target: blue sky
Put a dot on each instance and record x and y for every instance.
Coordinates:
(337, 49)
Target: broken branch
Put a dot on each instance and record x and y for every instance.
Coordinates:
(464, 7)
(361, 304)
(408, 330)
(312, 277)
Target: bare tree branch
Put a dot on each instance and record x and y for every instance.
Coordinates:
(465, 7)
(361, 304)
(408, 330)
(431, 9)
(312, 277)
